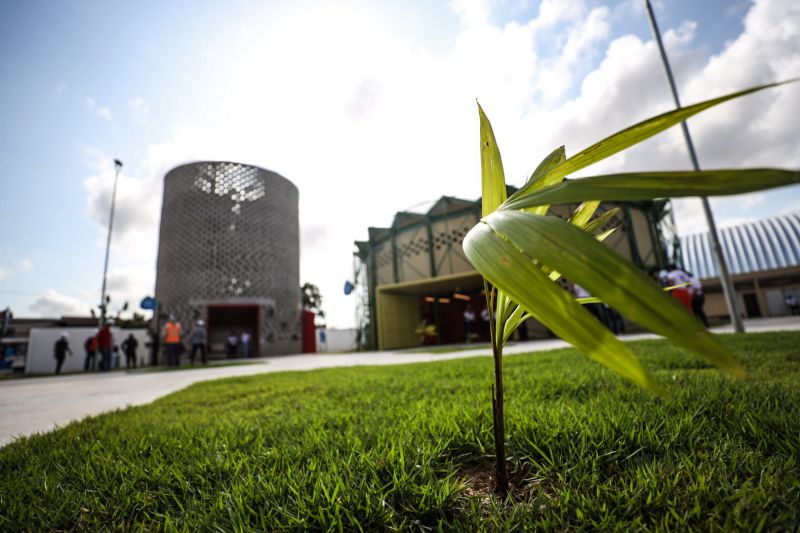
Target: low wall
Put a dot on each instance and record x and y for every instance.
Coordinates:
(337, 340)
(40, 358)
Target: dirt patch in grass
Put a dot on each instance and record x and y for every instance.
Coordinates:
(523, 485)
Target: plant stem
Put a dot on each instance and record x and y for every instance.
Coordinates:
(500, 469)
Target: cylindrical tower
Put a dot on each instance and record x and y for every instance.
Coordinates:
(229, 254)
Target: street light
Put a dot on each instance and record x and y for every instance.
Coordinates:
(103, 298)
(722, 267)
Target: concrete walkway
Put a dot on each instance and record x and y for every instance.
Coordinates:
(33, 405)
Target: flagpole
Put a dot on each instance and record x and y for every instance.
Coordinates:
(722, 267)
(103, 303)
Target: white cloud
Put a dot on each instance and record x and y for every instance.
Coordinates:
(102, 112)
(752, 200)
(61, 88)
(140, 110)
(551, 12)
(556, 75)
(24, 264)
(736, 221)
(136, 208)
(791, 208)
(134, 242)
(689, 215)
(368, 124)
(55, 304)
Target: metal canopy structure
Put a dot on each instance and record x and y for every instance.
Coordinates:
(421, 254)
(768, 244)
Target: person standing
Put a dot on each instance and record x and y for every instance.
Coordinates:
(595, 308)
(486, 325)
(791, 303)
(129, 346)
(676, 276)
(60, 351)
(154, 345)
(233, 344)
(469, 323)
(90, 345)
(115, 356)
(198, 340)
(246, 344)
(172, 341)
(104, 345)
(698, 298)
(615, 321)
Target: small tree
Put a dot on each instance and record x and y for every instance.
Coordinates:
(312, 301)
(138, 320)
(521, 253)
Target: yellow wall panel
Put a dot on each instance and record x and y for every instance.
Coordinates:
(398, 318)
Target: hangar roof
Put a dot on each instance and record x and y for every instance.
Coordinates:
(766, 244)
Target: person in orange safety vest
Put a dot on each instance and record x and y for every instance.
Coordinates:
(172, 341)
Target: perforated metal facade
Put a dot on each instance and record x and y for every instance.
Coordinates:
(229, 237)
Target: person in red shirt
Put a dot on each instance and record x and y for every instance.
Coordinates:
(104, 344)
(676, 276)
(90, 345)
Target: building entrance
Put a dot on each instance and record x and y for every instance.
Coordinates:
(224, 320)
(447, 313)
(751, 305)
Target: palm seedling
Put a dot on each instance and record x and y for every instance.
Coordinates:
(521, 253)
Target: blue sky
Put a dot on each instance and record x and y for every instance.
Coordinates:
(368, 106)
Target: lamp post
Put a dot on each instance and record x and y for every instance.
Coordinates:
(103, 302)
(722, 267)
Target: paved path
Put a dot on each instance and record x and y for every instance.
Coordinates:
(32, 405)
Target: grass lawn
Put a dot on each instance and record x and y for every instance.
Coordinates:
(410, 447)
(438, 349)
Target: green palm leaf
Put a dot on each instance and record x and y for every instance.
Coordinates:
(601, 220)
(597, 268)
(517, 317)
(627, 138)
(554, 275)
(650, 185)
(555, 158)
(493, 181)
(524, 282)
(584, 213)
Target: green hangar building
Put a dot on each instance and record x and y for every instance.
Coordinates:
(413, 281)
